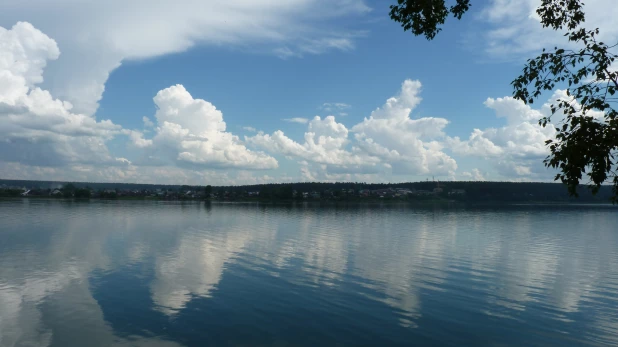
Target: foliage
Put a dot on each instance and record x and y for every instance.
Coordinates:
(476, 192)
(586, 142)
(587, 139)
(12, 193)
(108, 194)
(424, 17)
(82, 193)
(68, 190)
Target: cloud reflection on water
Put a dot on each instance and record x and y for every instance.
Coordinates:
(501, 263)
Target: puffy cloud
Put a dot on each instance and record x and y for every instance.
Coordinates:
(298, 120)
(410, 144)
(517, 149)
(43, 138)
(250, 129)
(147, 122)
(324, 144)
(516, 29)
(474, 175)
(137, 138)
(97, 37)
(36, 128)
(388, 142)
(43, 135)
(191, 132)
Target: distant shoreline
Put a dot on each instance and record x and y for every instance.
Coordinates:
(369, 201)
(419, 193)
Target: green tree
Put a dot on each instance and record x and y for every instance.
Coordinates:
(208, 191)
(424, 17)
(68, 190)
(83, 193)
(586, 143)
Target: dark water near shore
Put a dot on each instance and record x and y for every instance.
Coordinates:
(165, 274)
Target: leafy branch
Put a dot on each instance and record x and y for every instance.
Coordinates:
(586, 142)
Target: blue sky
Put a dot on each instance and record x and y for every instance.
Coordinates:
(408, 108)
(455, 79)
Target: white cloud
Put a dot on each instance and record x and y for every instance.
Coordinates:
(411, 144)
(138, 140)
(96, 37)
(342, 42)
(132, 173)
(250, 129)
(191, 132)
(388, 142)
(41, 137)
(324, 144)
(298, 120)
(147, 122)
(517, 149)
(334, 106)
(36, 128)
(474, 175)
(516, 29)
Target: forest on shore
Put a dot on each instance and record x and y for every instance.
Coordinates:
(465, 191)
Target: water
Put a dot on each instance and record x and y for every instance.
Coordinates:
(169, 274)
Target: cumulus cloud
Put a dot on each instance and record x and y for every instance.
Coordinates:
(42, 137)
(474, 175)
(97, 37)
(191, 132)
(388, 142)
(324, 144)
(138, 140)
(517, 149)
(45, 137)
(298, 120)
(36, 128)
(147, 122)
(411, 145)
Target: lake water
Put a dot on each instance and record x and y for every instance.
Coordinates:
(128, 273)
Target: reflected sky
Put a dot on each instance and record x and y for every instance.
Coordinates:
(161, 273)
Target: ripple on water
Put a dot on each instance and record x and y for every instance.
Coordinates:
(250, 274)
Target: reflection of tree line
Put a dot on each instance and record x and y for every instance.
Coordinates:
(397, 253)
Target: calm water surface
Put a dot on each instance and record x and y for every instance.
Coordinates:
(174, 274)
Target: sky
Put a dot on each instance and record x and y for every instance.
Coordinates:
(259, 91)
